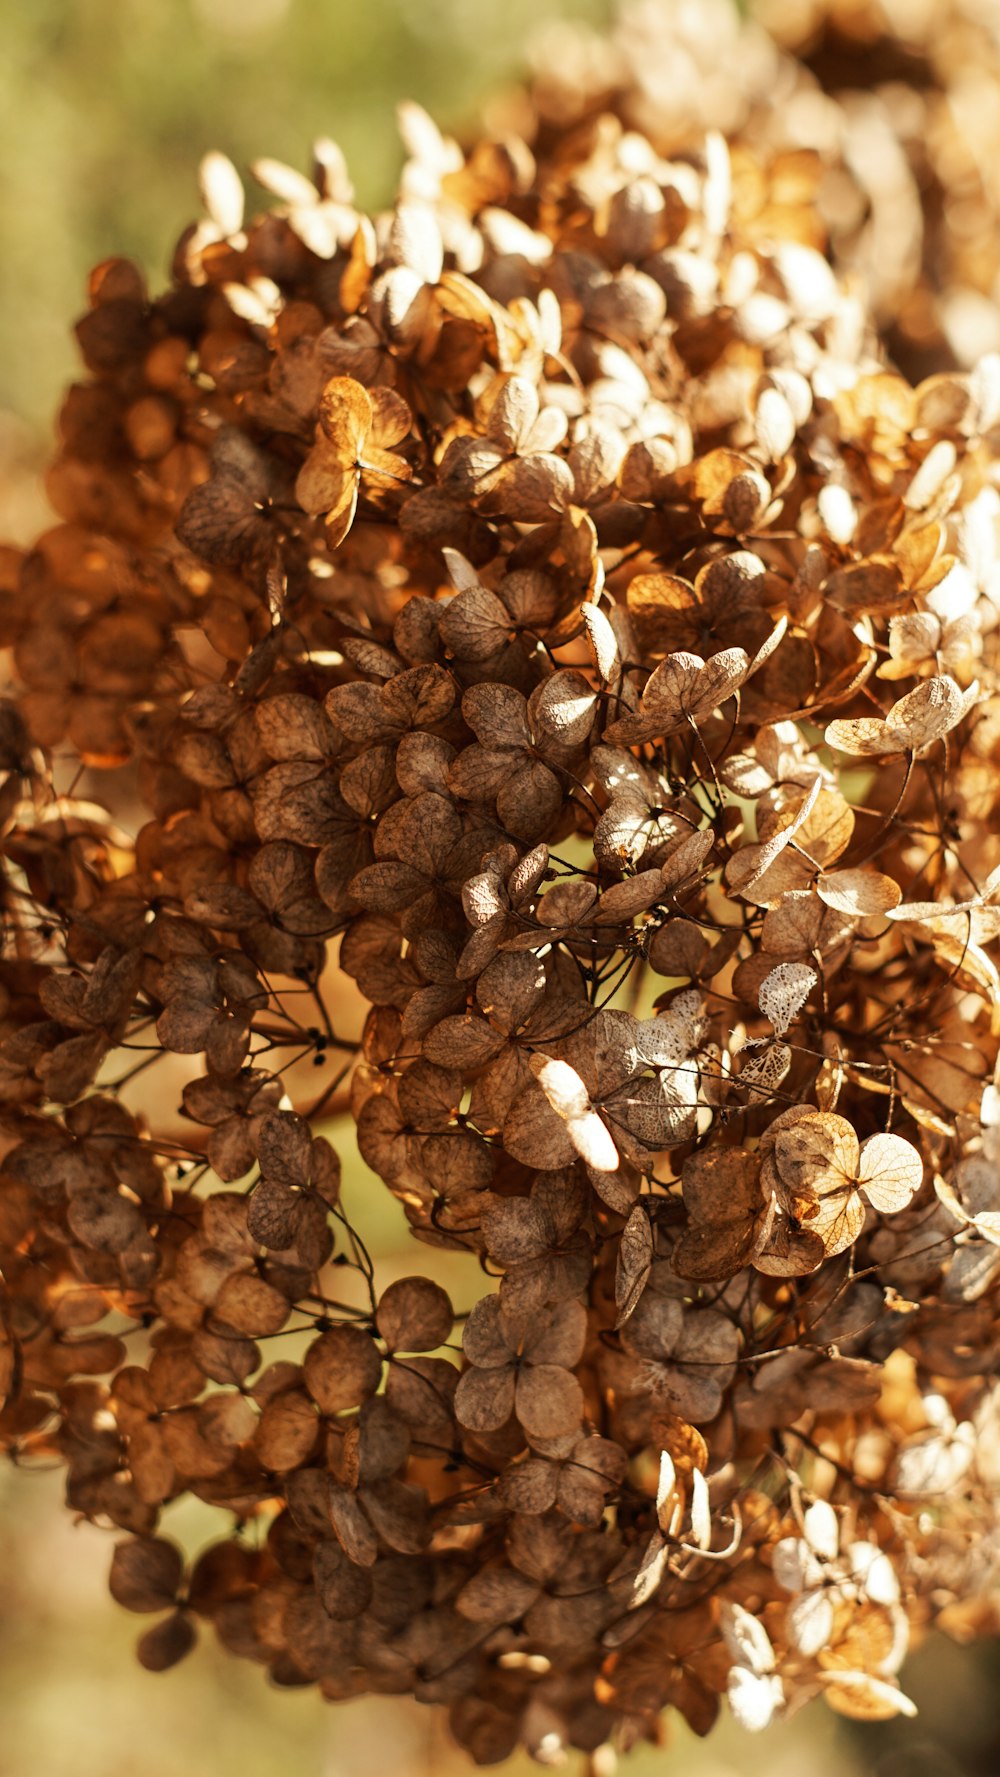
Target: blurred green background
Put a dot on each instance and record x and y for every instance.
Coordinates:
(105, 109)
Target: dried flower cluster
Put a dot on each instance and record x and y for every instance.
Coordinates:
(545, 606)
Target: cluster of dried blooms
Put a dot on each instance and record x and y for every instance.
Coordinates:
(875, 120)
(544, 607)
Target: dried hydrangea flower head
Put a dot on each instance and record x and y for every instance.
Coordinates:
(543, 615)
